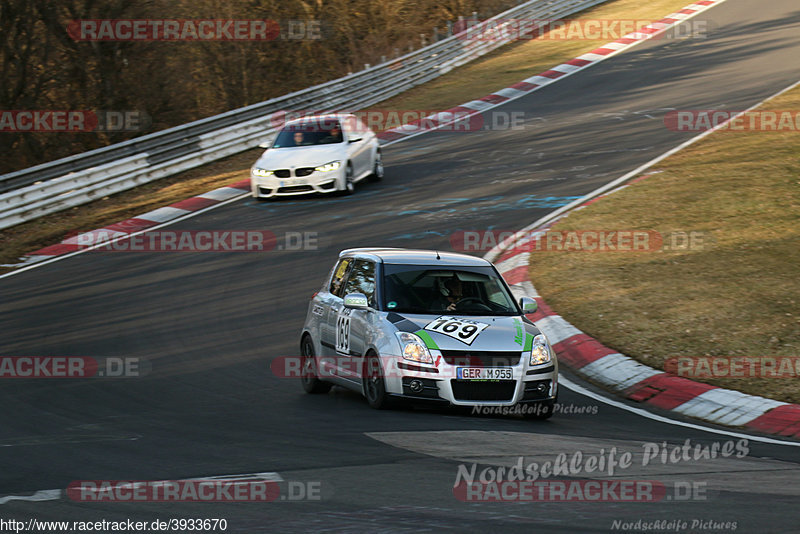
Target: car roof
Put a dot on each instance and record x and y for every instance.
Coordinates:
(405, 256)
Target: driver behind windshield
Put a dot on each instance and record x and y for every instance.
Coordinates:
(452, 291)
(334, 135)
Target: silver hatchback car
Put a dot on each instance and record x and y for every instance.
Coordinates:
(420, 325)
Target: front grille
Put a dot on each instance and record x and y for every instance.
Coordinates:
(295, 189)
(476, 390)
(481, 358)
(303, 171)
(282, 173)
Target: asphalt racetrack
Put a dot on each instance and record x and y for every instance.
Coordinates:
(210, 323)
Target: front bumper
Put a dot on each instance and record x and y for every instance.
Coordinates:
(316, 182)
(440, 383)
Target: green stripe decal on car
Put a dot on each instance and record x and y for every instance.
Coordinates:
(528, 342)
(429, 342)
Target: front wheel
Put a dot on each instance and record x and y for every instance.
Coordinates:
(308, 369)
(349, 186)
(377, 168)
(540, 411)
(374, 384)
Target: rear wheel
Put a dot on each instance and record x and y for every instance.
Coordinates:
(308, 369)
(374, 384)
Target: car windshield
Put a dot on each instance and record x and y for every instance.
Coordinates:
(318, 132)
(435, 290)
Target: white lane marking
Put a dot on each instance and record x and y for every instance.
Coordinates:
(57, 494)
(562, 381)
(41, 495)
(120, 238)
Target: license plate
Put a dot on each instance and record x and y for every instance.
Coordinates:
(484, 373)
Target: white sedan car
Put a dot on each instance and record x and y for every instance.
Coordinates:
(317, 154)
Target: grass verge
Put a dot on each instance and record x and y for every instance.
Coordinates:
(736, 295)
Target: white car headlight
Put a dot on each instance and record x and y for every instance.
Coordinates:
(261, 172)
(414, 348)
(330, 166)
(540, 352)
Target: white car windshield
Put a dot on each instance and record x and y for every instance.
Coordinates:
(433, 290)
(325, 132)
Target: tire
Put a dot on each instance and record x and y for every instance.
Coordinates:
(308, 369)
(374, 384)
(377, 168)
(541, 411)
(349, 186)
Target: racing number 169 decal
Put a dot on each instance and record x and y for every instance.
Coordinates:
(343, 333)
(463, 330)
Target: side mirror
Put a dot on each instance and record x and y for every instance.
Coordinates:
(528, 305)
(356, 301)
(267, 143)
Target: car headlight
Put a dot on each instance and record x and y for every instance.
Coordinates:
(540, 352)
(330, 166)
(414, 348)
(261, 172)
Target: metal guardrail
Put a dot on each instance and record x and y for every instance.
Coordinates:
(75, 180)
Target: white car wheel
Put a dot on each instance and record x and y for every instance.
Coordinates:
(377, 168)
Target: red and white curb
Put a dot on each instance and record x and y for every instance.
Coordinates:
(606, 367)
(139, 223)
(543, 79)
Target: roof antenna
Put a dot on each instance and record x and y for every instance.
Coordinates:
(437, 255)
